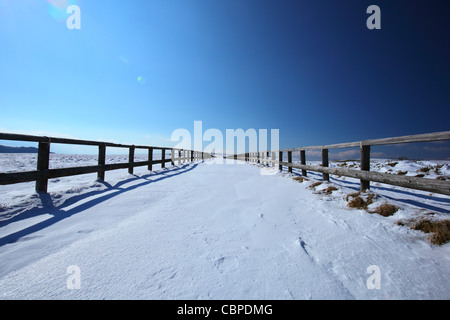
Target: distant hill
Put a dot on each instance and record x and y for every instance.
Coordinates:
(5, 149)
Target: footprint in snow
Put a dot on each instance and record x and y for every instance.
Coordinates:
(28, 238)
(302, 244)
(225, 264)
(85, 231)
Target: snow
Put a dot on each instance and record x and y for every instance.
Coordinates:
(215, 231)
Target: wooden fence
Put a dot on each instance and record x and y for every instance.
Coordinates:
(364, 174)
(42, 173)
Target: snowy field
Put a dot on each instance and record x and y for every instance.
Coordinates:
(217, 231)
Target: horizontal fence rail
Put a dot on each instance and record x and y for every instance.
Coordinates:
(364, 174)
(42, 173)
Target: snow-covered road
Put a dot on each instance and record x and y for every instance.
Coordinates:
(213, 231)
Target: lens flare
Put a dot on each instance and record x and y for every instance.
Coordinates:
(57, 8)
(141, 79)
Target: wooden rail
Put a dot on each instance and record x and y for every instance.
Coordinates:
(42, 173)
(364, 174)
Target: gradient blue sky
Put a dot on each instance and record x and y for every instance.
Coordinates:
(139, 69)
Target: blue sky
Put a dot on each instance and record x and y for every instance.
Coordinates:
(139, 69)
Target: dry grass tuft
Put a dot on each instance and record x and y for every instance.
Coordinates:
(357, 202)
(400, 223)
(315, 184)
(392, 164)
(439, 229)
(424, 169)
(352, 195)
(437, 168)
(385, 210)
(402, 173)
(300, 179)
(330, 190)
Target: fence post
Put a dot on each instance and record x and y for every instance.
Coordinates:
(101, 161)
(303, 161)
(280, 159)
(365, 165)
(325, 176)
(150, 159)
(131, 160)
(290, 161)
(43, 161)
(163, 158)
(192, 155)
